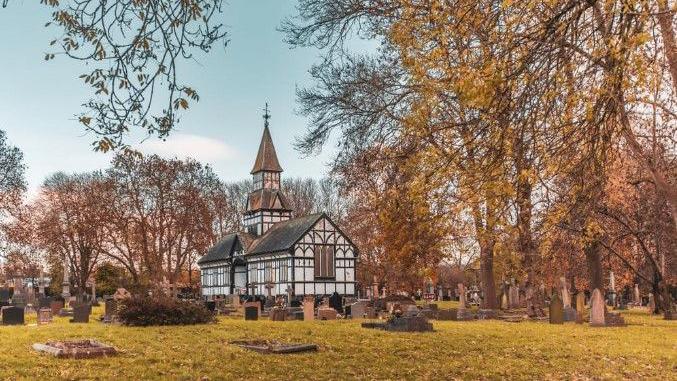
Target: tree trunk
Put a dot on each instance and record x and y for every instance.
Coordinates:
(668, 34)
(593, 258)
(487, 275)
(666, 300)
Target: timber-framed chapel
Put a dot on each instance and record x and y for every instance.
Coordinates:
(277, 253)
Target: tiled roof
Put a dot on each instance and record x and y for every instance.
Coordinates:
(265, 199)
(221, 251)
(266, 159)
(283, 235)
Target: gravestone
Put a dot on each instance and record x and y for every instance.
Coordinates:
(110, 309)
(56, 306)
(326, 313)
(235, 301)
(336, 302)
(556, 310)
(409, 311)
(569, 314)
(580, 307)
(358, 309)
(251, 312)
(278, 314)
(402, 324)
(637, 299)
(446, 314)
(12, 315)
(44, 316)
(514, 297)
(44, 302)
(370, 313)
(309, 307)
(613, 320)
(461, 296)
(269, 303)
(580, 302)
(19, 300)
(504, 301)
(652, 304)
(4, 295)
(81, 313)
(597, 309)
(566, 297)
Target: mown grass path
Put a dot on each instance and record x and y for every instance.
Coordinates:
(645, 349)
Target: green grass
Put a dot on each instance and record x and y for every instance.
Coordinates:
(646, 348)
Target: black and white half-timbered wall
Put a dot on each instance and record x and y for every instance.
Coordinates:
(276, 252)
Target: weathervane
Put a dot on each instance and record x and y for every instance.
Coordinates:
(266, 115)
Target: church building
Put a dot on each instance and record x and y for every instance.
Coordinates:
(277, 252)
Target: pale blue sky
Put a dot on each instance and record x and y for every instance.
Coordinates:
(38, 99)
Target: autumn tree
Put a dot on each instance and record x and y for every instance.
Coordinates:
(68, 223)
(164, 219)
(12, 184)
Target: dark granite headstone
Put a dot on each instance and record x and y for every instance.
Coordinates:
(81, 313)
(270, 303)
(211, 306)
(449, 314)
(556, 310)
(336, 302)
(402, 324)
(251, 313)
(12, 315)
(4, 295)
(44, 302)
(569, 314)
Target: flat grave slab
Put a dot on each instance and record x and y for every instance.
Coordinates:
(76, 349)
(274, 347)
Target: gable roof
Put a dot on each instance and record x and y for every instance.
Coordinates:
(265, 199)
(283, 235)
(221, 250)
(266, 159)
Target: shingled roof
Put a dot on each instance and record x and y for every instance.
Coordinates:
(283, 235)
(221, 251)
(266, 159)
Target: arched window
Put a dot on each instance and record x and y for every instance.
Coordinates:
(324, 261)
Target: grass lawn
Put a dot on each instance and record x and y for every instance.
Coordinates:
(646, 348)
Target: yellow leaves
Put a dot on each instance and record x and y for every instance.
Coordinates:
(85, 120)
(181, 102)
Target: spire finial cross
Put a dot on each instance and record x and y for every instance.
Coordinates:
(266, 115)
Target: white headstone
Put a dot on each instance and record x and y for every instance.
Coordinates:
(461, 296)
(638, 299)
(566, 297)
(65, 285)
(597, 309)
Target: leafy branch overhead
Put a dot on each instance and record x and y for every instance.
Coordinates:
(134, 48)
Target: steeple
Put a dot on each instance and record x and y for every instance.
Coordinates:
(266, 205)
(266, 159)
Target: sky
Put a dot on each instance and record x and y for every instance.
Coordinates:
(38, 99)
